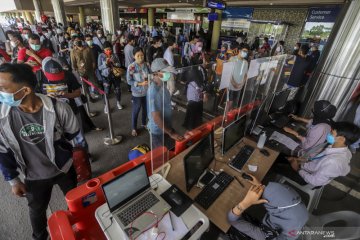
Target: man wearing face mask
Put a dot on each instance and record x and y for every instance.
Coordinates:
(26, 32)
(155, 50)
(30, 140)
(83, 62)
(333, 162)
(285, 213)
(35, 54)
(314, 57)
(99, 39)
(238, 78)
(159, 107)
(45, 39)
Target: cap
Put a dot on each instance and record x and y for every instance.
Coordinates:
(52, 69)
(160, 64)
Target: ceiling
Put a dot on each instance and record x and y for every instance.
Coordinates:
(199, 3)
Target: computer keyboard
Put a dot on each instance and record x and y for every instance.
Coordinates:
(241, 158)
(132, 212)
(212, 191)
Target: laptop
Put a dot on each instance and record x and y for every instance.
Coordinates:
(129, 196)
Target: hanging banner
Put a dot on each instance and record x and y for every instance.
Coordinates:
(238, 12)
(323, 14)
(181, 21)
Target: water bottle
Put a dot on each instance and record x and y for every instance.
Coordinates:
(262, 139)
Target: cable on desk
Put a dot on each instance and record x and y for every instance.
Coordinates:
(111, 222)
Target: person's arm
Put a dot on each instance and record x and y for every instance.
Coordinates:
(234, 216)
(73, 61)
(300, 119)
(295, 133)
(102, 62)
(161, 124)
(68, 120)
(31, 53)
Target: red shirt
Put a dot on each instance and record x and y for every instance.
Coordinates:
(42, 53)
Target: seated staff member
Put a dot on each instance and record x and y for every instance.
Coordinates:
(285, 216)
(35, 54)
(333, 162)
(317, 128)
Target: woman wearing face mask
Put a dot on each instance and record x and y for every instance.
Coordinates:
(99, 39)
(238, 78)
(137, 78)
(108, 64)
(17, 44)
(296, 49)
(317, 127)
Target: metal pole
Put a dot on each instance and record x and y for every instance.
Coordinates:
(91, 114)
(111, 140)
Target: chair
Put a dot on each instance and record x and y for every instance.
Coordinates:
(313, 192)
(351, 230)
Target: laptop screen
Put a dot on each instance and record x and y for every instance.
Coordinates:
(126, 186)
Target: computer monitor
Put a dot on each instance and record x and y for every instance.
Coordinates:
(233, 133)
(279, 101)
(198, 159)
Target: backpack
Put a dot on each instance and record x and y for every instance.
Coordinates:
(138, 151)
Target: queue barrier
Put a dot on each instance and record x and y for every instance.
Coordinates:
(79, 221)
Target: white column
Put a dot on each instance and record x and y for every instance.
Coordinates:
(38, 10)
(59, 11)
(109, 15)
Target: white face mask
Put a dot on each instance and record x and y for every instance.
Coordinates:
(99, 35)
(13, 44)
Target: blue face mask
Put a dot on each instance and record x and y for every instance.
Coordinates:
(35, 47)
(166, 76)
(8, 98)
(330, 138)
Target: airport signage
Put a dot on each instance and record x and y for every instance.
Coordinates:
(238, 12)
(323, 14)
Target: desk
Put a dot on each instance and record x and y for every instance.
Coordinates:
(190, 217)
(234, 193)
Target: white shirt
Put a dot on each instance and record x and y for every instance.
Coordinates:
(239, 72)
(335, 163)
(169, 56)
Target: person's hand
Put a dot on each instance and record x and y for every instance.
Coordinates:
(144, 83)
(289, 130)
(295, 165)
(176, 136)
(19, 189)
(31, 63)
(293, 116)
(253, 196)
(206, 97)
(255, 181)
(52, 95)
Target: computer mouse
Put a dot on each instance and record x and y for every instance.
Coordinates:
(176, 198)
(265, 152)
(246, 177)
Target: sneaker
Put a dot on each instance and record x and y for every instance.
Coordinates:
(119, 106)
(176, 93)
(106, 110)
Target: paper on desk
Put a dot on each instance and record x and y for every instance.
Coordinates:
(281, 138)
(165, 226)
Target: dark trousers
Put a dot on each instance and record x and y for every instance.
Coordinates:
(38, 194)
(138, 103)
(193, 116)
(283, 167)
(112, 80)
(161, 140)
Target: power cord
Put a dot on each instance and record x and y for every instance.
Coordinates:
(111, 222)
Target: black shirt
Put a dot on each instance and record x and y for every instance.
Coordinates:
(298, 74)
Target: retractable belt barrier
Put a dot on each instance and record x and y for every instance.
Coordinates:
(112, 140)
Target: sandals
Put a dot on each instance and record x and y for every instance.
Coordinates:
(97, 129)
(134, 133)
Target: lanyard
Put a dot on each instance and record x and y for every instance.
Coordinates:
(317, 157)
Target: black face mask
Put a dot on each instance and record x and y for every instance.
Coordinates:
(79, 43)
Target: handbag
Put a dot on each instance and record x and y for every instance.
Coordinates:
(117, 71)
(64, 151)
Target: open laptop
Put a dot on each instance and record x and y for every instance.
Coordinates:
(129, 196)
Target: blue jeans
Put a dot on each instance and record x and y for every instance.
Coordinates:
(138, 103)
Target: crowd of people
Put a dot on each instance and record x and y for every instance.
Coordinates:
(42, 107)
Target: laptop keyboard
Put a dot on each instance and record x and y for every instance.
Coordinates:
(132, 212)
